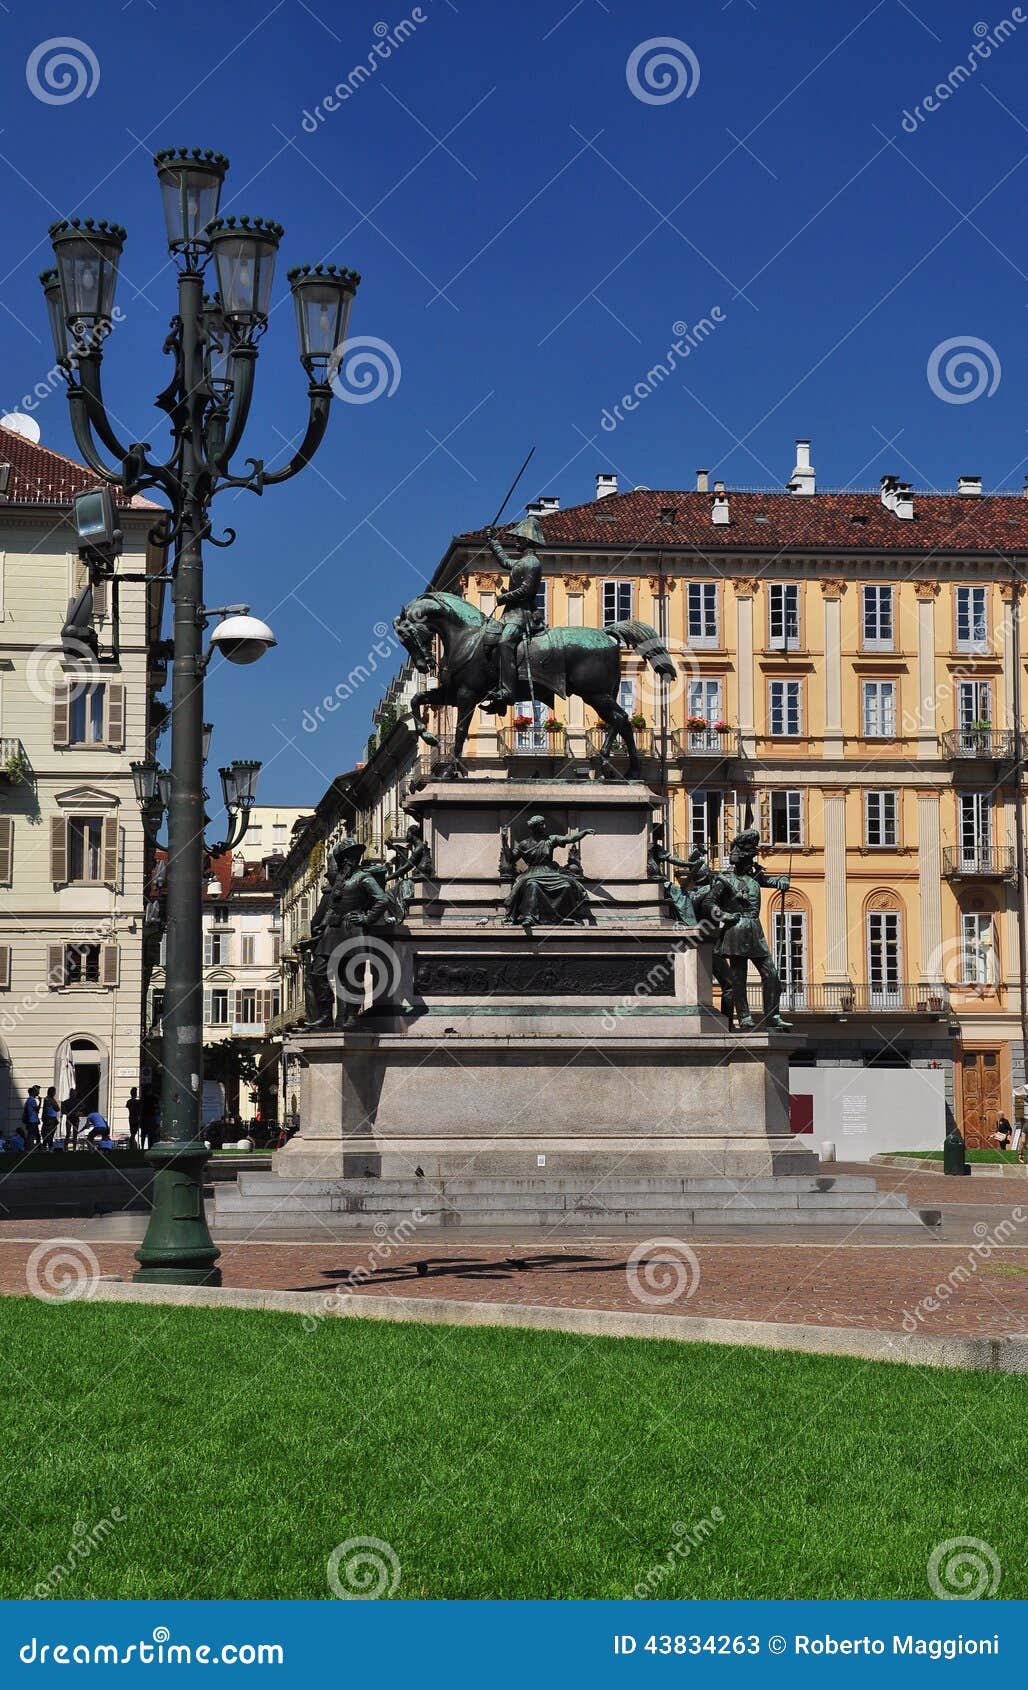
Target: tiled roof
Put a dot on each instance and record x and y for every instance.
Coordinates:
(787, 522)
(255, 878)
(41, 476)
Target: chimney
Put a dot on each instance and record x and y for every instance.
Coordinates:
(703, 480)
(606, 485)
(719, 509)
(969, 485)
(542, 507)
(897, 497)
(803, 480)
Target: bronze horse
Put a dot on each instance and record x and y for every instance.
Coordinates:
(585, 662)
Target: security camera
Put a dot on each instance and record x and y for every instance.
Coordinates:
(242, 639)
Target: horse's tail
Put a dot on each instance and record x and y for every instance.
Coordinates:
(640, 637)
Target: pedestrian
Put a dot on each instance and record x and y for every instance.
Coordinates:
(135, 1114)
(50, 1117)
(72, 1112)
(30, 1117)
(1004, 1133)
(16, 1140)
(149, 1125)
(97, 1127)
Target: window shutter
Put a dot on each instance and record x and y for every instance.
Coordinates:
(62, 713)
(207, 1008)
(110, 843)
(59, 850)
(115, 703)
(266, 1007)
(208, 950)
(6, 850)
(55, 967)
(237, 1005)
(109, 961)
(764, 814)
(5, 968)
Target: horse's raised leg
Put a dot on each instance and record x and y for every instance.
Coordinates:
(455, 770)
(419, 714)
(617, 726)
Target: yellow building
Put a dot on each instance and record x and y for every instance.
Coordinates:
(847, 677)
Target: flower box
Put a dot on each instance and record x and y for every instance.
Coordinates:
(638, 721)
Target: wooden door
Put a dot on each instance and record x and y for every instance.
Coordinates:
(980, 1097)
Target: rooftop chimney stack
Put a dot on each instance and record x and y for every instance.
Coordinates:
(969, 485)
(543, 507)
(703, 480)
(719, 509)
(803, 479)
(606, 485)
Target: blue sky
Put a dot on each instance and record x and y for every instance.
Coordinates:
(529, 231)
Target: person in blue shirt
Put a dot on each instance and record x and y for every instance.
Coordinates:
(30, 1116)
(16, 1140)
(96, 1127)
(50, 1117)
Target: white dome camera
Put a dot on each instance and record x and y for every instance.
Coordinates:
(242, 639)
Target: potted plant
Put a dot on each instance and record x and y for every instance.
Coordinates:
(697, 724)
(638, 720)
(553, 724)
(523, 721)
(722, 727)
(16, 766)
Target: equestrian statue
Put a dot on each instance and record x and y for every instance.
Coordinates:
(488, 663)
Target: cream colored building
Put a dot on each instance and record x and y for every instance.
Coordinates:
(72, 848)
(270, 831)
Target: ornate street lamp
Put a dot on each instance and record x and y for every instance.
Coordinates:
(213, 343)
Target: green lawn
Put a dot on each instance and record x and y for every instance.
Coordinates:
(972, 1155)
(231, 1452)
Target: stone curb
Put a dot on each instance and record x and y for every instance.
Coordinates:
(985, 1170)
(998, 1354)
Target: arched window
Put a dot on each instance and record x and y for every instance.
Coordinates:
(883, 924)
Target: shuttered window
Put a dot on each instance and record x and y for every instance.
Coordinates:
(109, 965)
(55, 967)
(111, 841)
(58, 850)
(62, 714)
(116, 716)
(5, 968)
(6, 850)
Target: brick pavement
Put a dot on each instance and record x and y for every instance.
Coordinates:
(827, 1282)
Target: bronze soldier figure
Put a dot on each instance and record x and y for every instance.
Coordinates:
(521, 616)
(735, 904)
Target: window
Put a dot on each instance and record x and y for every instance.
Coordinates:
(254, 833)
(972, 628)
(215, 949)
(789, 943)
(705, 809)
(247, 1008)
(786, 818)
(218, 1016)
(783, 605)
(617, 601)
(542, 602)
(878, 631)
(702, 613)
(884, 958)
(278, 833)
(85, 848)
(974, 816)
(627, 694)
(785, 708)
(879, 709)
(81, 965)
(276, 947)
(531, 735)
(881, 819)
(86, 716)
(220, 915)
(977, 950)
(704, 704)
(974, 704)
(247, 949)
(157, 1009)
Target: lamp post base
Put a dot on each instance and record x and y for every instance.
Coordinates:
(178, 1248)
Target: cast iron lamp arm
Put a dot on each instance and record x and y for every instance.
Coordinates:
(320, 399)
(244, 359)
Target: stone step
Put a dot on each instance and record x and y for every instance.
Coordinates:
(594, 1203)
(272, 1220)
(499, 1185)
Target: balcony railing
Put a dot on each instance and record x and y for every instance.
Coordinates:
(978, 862)
(647, 742)
(844, 999)
(13, 762)
(982, 745)
(536, 742)
(706, 742)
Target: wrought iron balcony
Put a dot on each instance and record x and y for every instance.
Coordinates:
(708, 743)
(647, 742)
(534, 742)
(979, 745)
(845, 999)
(13, 762)
(979, 862)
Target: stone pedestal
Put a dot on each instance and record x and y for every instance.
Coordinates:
(579, 1071)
